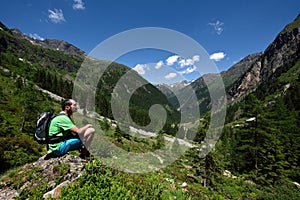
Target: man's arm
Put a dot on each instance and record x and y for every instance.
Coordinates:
(81, 130)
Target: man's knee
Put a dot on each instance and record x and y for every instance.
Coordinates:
(90, 131)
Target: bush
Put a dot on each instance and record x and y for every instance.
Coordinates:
(284, 190)
(17, 151)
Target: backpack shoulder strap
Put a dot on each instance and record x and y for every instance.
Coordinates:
(59, 114)
(61, 130)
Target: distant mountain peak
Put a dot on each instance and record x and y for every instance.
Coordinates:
(177, 84)
(167, 89)
(58, 45)
(61, 45)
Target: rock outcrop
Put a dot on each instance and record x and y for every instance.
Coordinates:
(52, 174)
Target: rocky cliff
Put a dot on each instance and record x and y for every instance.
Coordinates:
(45, 176)
(285, 49)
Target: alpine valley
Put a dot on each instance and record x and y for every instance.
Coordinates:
(256, 157)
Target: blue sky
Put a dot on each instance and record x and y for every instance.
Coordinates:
(227, 30)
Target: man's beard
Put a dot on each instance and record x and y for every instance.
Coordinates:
(70, 112)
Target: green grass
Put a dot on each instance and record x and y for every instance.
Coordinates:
(291, 26)
(291, 75)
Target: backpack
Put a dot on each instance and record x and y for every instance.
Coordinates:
(41, 132)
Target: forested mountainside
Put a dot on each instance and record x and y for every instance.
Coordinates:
(53, 64)
(256, 157)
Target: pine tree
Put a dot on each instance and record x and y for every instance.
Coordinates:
(285, 121)
(118, 134)
(229, 148)
(202, 129)
(104, 124)
(213, 167)
(30, 104)
(54, 85)
(176, 149)
(47, 83)
(271, 156)
(160, 141)
(265, 147)
(250, 136)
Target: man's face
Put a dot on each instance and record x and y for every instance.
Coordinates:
(73, 106)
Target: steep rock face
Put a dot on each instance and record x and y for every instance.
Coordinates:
(238, 69)
(284, 50)
(247, 82)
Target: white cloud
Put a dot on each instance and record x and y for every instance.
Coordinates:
(175, 59)
(189, 61)
(170, 76)
(78, 5)
(36, 36)
(187, 65)
(218, 26)
(56, 16)
(196, 58)
(159, 65)
(189, 70)
(186, 62)
(217, 56)
(172, 59)
(141, 69)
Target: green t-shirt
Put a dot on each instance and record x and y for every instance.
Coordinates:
(59, 123)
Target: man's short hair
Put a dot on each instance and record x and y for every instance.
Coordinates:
(66, 102)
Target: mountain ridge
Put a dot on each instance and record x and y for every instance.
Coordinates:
(246, 75)
(283, 50)
(58, 45)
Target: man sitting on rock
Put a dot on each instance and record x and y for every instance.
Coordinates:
(73, 137)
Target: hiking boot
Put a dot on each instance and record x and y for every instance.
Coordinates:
(49, 156)
(84, 153)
